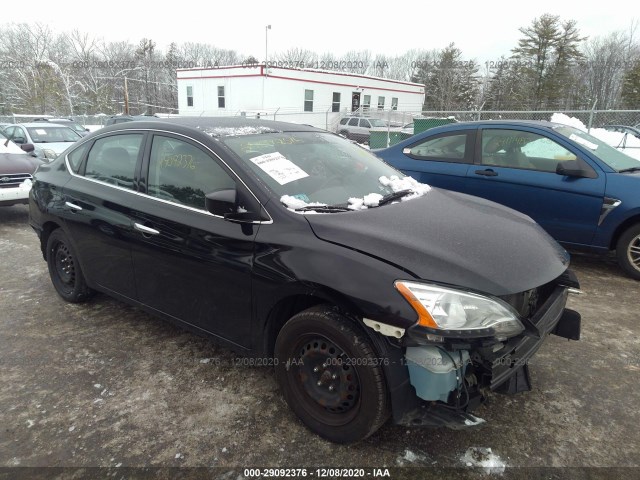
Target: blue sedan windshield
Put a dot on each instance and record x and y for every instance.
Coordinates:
(608, 154)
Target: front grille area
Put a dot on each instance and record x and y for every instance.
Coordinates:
(13, 180)
(527, 303)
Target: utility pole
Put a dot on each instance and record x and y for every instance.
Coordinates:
(126, 97)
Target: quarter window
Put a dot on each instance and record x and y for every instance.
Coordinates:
(221, 101)
(113, 160)
(183, 173)
(308, 100)
(75, 157)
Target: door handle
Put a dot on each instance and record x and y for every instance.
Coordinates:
(145, 230)
(487, 173)
(73, 206)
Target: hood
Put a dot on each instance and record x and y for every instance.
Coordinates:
(451, 238)
(11, 163)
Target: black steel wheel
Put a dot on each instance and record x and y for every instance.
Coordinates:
(330, 375)
(64, 269)
(628, 251)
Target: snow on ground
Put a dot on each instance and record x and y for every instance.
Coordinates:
(630, 145)
(483, 458)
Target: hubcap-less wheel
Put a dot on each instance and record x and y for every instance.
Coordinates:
(65, 271)
(65, 267)
(330, 375)
(326, 376)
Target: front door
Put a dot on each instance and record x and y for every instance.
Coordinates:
(517, 168)
(355, 101)
(189, 264)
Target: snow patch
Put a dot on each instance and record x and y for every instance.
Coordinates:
(405, 183)
(485, 459)
(412, 458)
(237, 131)
(292, 203)
(629, 145)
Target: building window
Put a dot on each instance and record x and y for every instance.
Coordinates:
(380, 103)
(366, 103)
(189, 96)
(220, 97)
(308, 100)
(394, 103)
(335, 106)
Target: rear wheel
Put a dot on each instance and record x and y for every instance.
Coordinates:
(330, 376)
(64, 269)
(628, 251)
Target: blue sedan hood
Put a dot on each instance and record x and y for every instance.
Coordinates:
(451, 238)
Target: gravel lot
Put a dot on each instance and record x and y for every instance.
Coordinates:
(105, 385)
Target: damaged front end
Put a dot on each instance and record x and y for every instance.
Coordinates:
(452, 370)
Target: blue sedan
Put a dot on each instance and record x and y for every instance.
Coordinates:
(583, 192)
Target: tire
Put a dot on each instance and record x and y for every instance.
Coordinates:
(64, 269)
(628, 250)
(330, 375)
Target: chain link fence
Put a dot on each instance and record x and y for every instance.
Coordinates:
(328, 119)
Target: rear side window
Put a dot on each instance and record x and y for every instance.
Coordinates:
(183, 173)
(353, 122)
(448, 148)
(113, 160)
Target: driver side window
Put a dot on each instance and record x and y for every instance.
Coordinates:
(183, 173)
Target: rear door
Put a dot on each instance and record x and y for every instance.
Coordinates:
(98, 202)
(190, 264)
(517, 168)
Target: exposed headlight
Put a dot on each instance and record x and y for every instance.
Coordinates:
(444, 308)
(49, 154)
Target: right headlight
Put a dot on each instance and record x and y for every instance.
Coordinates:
(442, 308)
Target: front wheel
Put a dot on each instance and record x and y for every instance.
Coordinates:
(628, 251)
(64, 269)
(330, 376)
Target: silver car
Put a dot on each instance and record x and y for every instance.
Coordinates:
(48, 139)
(358, 128)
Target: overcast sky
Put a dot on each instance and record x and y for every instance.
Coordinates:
(482, 30)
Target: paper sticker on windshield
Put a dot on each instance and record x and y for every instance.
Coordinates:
(278, 167)
(583, 141)
(39, 131)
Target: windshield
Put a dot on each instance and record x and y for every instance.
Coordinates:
(608, 154)
(315, 168)
(46, 134)
(376, 122)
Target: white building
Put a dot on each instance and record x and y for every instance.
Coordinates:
(314, 97)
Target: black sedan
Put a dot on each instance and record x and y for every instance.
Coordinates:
(372, 295)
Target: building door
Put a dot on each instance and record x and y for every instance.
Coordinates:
(355, 101)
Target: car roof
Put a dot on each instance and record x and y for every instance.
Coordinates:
(218, 126)
(41, 125)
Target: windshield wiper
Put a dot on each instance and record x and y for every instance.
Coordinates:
(323, 208)
(394, 196)
(631, 169)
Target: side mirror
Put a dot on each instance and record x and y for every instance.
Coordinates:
(18, 140)
(233, 206)
(28, 147)
(221, 202)
(572, 168)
